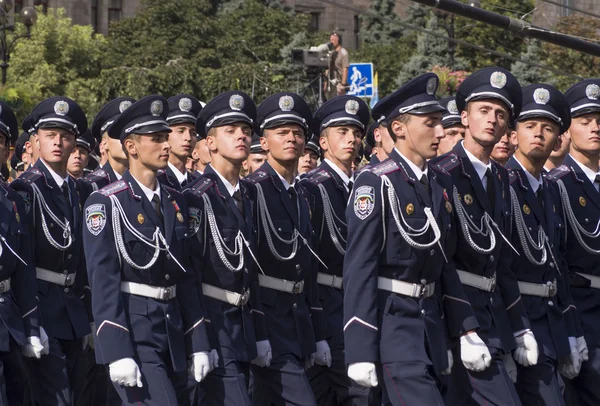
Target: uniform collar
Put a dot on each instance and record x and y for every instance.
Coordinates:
(230, 188)
(147, 191)
(337, 170)
(59, 181)
(591, 175)
(479, 166)
(181, 177)
(286, 185)
(414, 168)
(533, 182)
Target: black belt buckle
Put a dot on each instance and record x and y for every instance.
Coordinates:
(168, 293)
(493, 287)
(553, 288)
(244, 298)
(298, 287)
(69, 280)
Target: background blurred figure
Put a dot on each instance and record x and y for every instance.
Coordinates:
(202, 155)
(453, 127)
(310, 159)
(557, 157)
(79, 158)
(257, 156)
(503, 149)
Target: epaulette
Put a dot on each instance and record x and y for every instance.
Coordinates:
(512, 176)
(436, 168)
(447, 162)
(383, 168)
(558, 173)
(113, 188)
(30, 175)
(318, 176)
(98, 174)
(201, 186)
(257, 177)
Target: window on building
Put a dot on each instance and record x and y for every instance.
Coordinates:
(94, 15)
(18, 6)
(115, 8)
(314, 21)
(43, 3)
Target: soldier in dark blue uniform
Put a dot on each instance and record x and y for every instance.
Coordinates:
(340, 124)
(21, 330)
(538, 234)
(257, 156)
(287, 274)
(53, 209)
(308, 161)
(453, 127)
(116, 163)
(402, 296)
(222, 230)
(147, 308)
(183, 110)
(378, 136)
(487, 100)
(78, 160)
(578, 182)
(16, 162)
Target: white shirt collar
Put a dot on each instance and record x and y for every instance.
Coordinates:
(230, 188)
(149, 192)
(533, 182)
(200, 172)
(118, 175)
(416, 170)
(588, 172)
(479, 166)
(59, 181)
(337, 170)
(181, 177)
(286, 185)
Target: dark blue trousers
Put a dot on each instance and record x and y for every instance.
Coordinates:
(537, 385)
(408, 384)
(11, 376)
(226, 385)
(584, 390)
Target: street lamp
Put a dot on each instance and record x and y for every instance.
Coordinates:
(28, 18)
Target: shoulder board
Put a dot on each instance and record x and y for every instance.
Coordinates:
(512, 176)
(318, 176)
(113, 188)
(98, 174)
(201, 186)
(447, 162)
(31, 175)
(257, 177)
(383, 168)
(171, 190)
(558, 173)
(437, 169)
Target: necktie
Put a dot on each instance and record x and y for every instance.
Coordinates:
(491, 189)
(350, 186)
(156, 204)
(294, 197)
(597, 182)
(237, 196)
(65, 191)
(425, 182)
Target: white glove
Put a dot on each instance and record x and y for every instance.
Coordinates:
(474, 353)
(214, 359)
(450, 364)
(583, 349)
(89, 339)
(323, 354)
(363, 373)
(33, 348)
(511, 367)
(264, 354)
(44, 340)
(200, 365)
(571, 368)
(125, 372)
(526, 353)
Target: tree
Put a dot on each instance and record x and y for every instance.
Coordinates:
(376, 30)
(525, 72)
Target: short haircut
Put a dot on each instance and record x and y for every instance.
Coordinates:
(403, 118)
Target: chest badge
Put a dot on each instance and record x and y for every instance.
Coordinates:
(410, 209)
(526, 209)
(448, 207)
(582, 201)
(141, 218)
(179, 217)
(18, 217)
(468, 199)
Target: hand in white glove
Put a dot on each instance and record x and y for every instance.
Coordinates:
(214, 359)
(363, 373)
(571, 367)
(450, 364)
(264, 354)
(526, 353)
(200, 365)
(474, 353)
(511, 367)
(89, 339)
(33, 348)
(323, 354)
(125, 372)
(583, 349)
(44, 340)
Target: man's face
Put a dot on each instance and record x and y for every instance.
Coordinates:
(585, 133)
(285, 143)
(486, 120)
(151, 150)
(232, 142)
(422, 134)
(334, 39)
(341, 144)
(563, 150)
(202, 153)
(255, 161)
(454, 134)
(78, 161)
(307, 162)
(114, 149)
(182, 140)
(536, 138)
(503, 149)
(191, 165)
(55, 144)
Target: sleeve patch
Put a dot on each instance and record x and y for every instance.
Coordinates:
(26, 199)
(364, 201)
(95, 216)
(194, 215)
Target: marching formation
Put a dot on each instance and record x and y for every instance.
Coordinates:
(458, 267)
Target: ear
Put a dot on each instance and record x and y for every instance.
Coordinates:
(210, 143)
(464, 118)
(566, 135)
(513, 139)
(558, 143)
(323, 143)
(398, 129)
(264, 143)
(377, 134)
(130, 147)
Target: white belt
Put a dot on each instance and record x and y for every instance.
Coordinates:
(594, 280)
(5, 285)
(55, 277)
(226, 296)
(329, 280)
(406, 288)
(547, 289)
(280, 284)
(153, 292)
(477, 281)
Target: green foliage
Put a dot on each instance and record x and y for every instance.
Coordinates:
(375, 30)
(526, 73)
